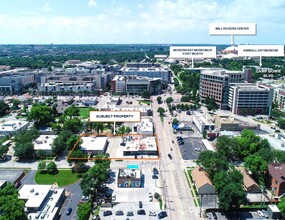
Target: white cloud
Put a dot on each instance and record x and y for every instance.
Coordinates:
(145, 15)
(140, 6)
(46, 7)
(92, 3)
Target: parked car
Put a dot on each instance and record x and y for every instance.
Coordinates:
(141, 212)
(154, 177)
(113, 197)
(130, 213)
(260, 213)
(84, 198)
(162, 215)
(265, 213)
(155, 171)
(152, 213)
(140, 204)
(107, 213)
(170, 157)
(97, 217)
(68, 211)
(150, 197)
(119, 212)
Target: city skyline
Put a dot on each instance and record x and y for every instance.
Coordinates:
(137, 21)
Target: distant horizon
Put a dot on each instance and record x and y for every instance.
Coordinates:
(41, 22)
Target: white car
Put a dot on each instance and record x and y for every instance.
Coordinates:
(150, 197)
(85, 198)
(113, 197)
(260, 213)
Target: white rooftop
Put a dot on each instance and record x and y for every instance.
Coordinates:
(140, 143)
(43, 198)
(144, 125)
(12, 125)
(93, 143)
(34, 194)
(44, 142)
(203, 119)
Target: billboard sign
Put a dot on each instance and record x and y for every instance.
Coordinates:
(261, 50)
(115, 116)
(232, 29)
(192, 52)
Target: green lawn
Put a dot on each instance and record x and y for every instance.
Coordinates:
(62, 178)
(147, 102)
(84, 112)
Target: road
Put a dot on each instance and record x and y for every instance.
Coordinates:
(179, 202)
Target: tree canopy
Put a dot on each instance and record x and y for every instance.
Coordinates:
(41, 114)
(4, 108)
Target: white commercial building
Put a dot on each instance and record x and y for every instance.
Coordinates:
(44, 144)
(145, 126)
(42, 201)
(94, 144)
(12, 127)
(139, 145)
(203, 123)
(246, 98)
(66, 87)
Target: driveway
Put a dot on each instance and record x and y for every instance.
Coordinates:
(72, 201)
(29, 178)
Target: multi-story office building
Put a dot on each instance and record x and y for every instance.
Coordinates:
(14, 82)
(134, 85)
(215, 83)
(246, 98)
(147, 70)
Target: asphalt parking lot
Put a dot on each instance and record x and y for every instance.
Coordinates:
(191, 148)
(127, 199)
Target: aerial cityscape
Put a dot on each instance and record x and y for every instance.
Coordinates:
(135, 110)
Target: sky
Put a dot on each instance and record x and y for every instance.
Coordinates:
(137, 21)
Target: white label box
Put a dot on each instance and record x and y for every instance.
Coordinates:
(193, 52)
(261, 50)
(115, 116)
(232, 28)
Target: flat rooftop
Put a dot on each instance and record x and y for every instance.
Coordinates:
(10, 175)
(44, 142)
(12, 125)
(140, 143)
(145, 125)
(93, 143)
(130, 173)
(203, 119)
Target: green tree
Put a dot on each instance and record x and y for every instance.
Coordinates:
(11, 207)
(41, 114)
(4, 108)
(72, 141)
(41, 166)
(15, 104)
(281, 123)
(3, 150)
(161, 111)
(51, 168)
(257, 166)
(72, 111)
(225, 146)
(84, 211)
(281, 206)
(124, 130)
(175, 121)
(145, 94)
(77, 153)
(211, 103)
(59, 144)
(24, 150)
(73, 124)
(212, 162)
(169, 100)
(158, 99)
(98, 126)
